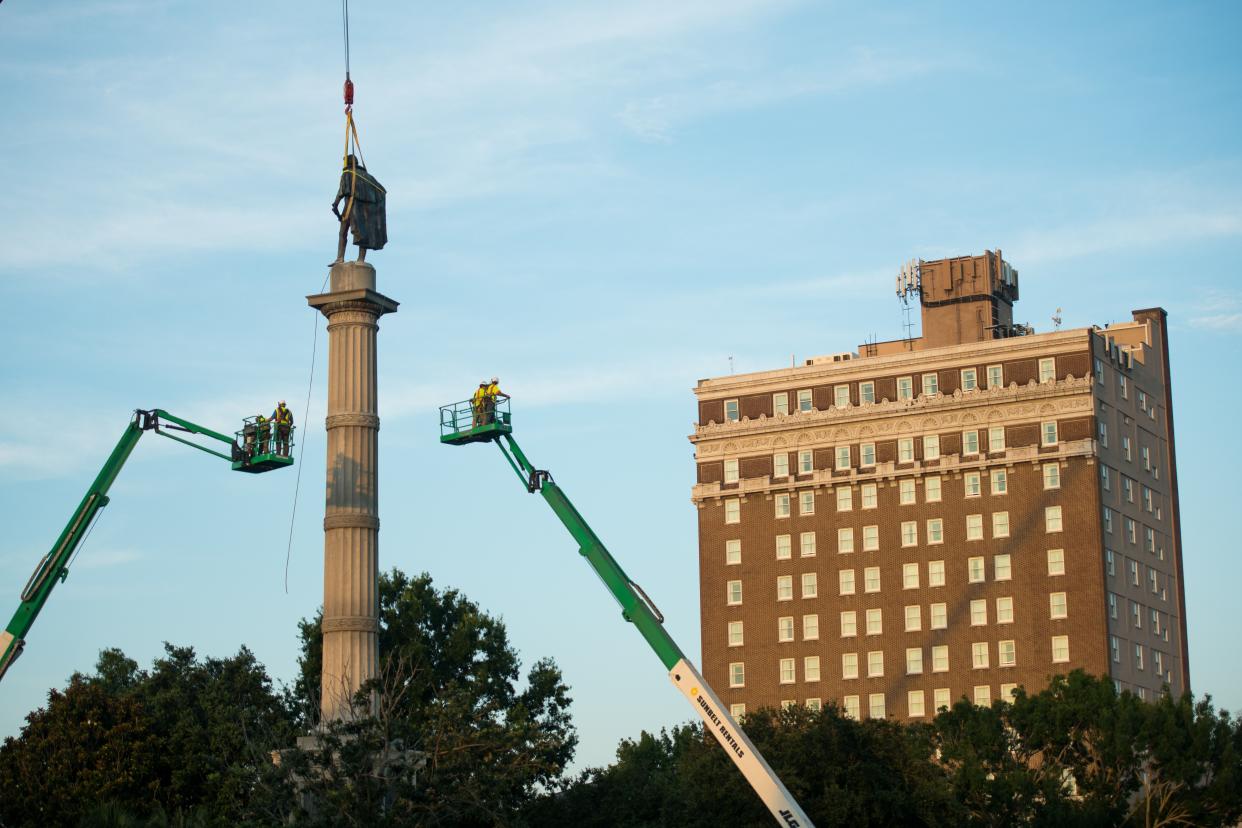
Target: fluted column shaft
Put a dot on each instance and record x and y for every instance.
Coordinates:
(351, 514)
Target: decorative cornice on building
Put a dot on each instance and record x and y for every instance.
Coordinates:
(948, 464)
(886, 410)
(973, 353)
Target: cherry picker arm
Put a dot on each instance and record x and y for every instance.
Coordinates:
(460, 424)
(249, 451)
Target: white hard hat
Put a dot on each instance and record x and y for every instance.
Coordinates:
(495, 380)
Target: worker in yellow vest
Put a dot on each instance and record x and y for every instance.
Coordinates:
(493, 395)
(283, 418)
(478, 404)
(263, 436)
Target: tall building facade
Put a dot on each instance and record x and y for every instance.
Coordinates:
(958, 514)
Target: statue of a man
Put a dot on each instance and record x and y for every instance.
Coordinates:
(364, 211)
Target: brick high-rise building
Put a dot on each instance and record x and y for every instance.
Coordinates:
(945, 516)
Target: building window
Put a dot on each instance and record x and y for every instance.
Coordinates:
(876, 706)
(996, 438)
(1136, 615)
(1138, 656)
(1004, 610)
(846, 578)
(788, 671)
(780, 403)
(806, 503)
(737, 674)
(1145, 453)
(810, 585)
(735, 634)
(784, 628)
(1142, 401)
(906, 493)
(1052, 519)
(845, 540)
(914, 661)
(731, 411)
(1149, 539)
(1124, 386)
(866, 392)
(970, 481)
(1060, 648)
(1110, 561)
(931, 489)
(931, 447)
(914, 618)
(935, 530)
(733, 510)
(850, 703)
(730, 471)
(782, 505)
(909, 533)
(1048, 370)
(733, 552)
(1106, 478)
(1127, 489)
(804, 401)
(940, 698)
(1000, 482)
(1114, 647)
(983, 695)
(914, 704)
(905, 450)
(1056, 562)
(784, 587)
(1153, 579)
(866, 455)
(938, 617)
(1000, 524)
(1125, 448)
(737, 711)
(733, 593)
(845, 499)
(970, 442)
(935, 573)
(871, 538)
(841, 396)
(1001, 567)
(849, 624)
(1052, 475)
(1057, 607)
(978, 612)
(1048, 434)
(940, 658)
(810, 627)
(806, 461)
(875, 622)
(975, 571)
(1108, 520)
(979, 655)
(869, 499)
(807, 541)
(1147, 500)
(780, 465)
(931, 385)
(1006, 653)
(875, 664)
(1131, 531)
(905, 388)
(1112, 606)
(843, 458)
(970, 379)
(974, 527)
(996, 376)
(810, 668)
(783, 548)
(910, 576)
(871, 579)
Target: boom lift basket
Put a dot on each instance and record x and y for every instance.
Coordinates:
(461, 423)
(259, 448)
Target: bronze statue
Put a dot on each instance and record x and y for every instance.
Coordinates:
(364, 213)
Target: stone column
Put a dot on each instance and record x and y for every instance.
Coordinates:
(351, 517)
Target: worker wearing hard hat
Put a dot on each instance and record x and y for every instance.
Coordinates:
(478, 404)
(493, 394)
(263, 434)
(283, 418)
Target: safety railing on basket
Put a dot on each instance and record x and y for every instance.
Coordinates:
(466, 415)
(268, 437)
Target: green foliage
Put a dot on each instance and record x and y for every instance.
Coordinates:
(449, 696)
(1075, 754)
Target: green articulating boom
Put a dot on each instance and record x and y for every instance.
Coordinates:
(245, 455)
(460, 425)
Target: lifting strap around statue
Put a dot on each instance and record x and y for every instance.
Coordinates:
(351, 137)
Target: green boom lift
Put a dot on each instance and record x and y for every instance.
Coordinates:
(460, 424)
(254, 449)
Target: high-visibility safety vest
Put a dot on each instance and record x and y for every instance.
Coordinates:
(493, 390)
(283, 416)
(480, 394)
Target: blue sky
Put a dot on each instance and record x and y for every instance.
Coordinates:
(601, 203)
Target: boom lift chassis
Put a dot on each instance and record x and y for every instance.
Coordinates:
(249, 451)
(461, 424)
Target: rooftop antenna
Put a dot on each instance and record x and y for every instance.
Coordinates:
(730, 363)
(909, 284)
(1056, 320)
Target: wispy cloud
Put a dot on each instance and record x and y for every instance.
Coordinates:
(1148, 228)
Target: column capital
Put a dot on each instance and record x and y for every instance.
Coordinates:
(363, 299)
